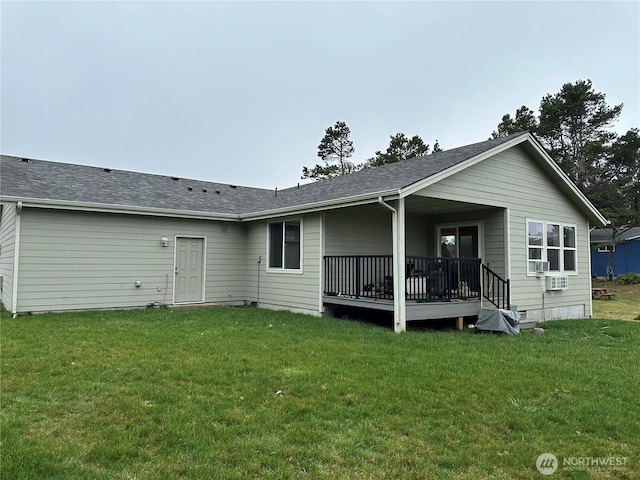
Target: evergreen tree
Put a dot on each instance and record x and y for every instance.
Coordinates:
(574, 125)
(400, 148)
(335, 149)
(525, 120)
(615, 189)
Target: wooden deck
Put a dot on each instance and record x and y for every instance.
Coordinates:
(415, 310)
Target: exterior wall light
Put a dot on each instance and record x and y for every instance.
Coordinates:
(164, 241)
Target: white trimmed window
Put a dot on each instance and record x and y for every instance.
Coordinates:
(551, 242)
(284, 245)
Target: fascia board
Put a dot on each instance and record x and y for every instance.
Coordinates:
(320, 206)
(416, 187)
(104, 208)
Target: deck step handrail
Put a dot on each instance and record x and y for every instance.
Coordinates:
(427, 278)
(496, 289)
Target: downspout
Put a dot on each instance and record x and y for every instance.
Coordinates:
(398, 275)
(16, 259)
(258, 294)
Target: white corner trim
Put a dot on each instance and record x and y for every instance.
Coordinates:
(16, 260)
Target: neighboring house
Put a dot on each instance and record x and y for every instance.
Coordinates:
(430, 237)
(626, 251)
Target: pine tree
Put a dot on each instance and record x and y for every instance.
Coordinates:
(335, 149)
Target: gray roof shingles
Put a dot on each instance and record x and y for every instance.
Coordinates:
(54, 181)
(603, 235)
(42, 180)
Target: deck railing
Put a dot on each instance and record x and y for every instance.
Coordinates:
(427, 278)
(496, 289)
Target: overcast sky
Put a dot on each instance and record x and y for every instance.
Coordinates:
(241, 92)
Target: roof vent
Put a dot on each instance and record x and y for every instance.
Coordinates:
(108, 170)
(218, 192)
(175, 178)
(25, 160)
(204, 190)
(190, 189)
(233, 186)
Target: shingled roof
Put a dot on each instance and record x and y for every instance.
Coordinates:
(30, 179)
(38, 180)
(603, 235)
(378, 180)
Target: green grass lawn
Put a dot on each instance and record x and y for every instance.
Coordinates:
(625, 305)
(245, 393)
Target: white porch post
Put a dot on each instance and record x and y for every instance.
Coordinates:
(399, 281)
(399, 270)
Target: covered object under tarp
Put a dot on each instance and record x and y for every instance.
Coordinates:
(497, 320)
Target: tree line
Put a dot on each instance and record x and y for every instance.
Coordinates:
(574, 125)
(336, 148)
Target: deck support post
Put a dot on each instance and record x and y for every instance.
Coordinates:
(460, 323)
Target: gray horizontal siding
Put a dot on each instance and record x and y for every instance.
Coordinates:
(80, 260)
(286, 290)
(358, 231)
(368, 231)
(512, 180)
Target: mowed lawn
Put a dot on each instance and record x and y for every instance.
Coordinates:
(624, 305)
(245, 393)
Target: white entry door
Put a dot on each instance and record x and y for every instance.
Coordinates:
(189, 282)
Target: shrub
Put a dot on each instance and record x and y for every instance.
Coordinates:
(628, 279)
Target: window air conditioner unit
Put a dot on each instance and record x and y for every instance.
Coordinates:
(542, 267)
(557, 283)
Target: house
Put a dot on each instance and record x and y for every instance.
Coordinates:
(626, 251)
(492, 223)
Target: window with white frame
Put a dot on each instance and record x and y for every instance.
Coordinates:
(284, 245)
(551, 242)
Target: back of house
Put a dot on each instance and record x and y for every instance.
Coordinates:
(411, 238)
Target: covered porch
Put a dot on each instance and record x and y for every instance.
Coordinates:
(456, 262)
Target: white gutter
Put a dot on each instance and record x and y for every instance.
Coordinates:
(106, 208)
(317, 206)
